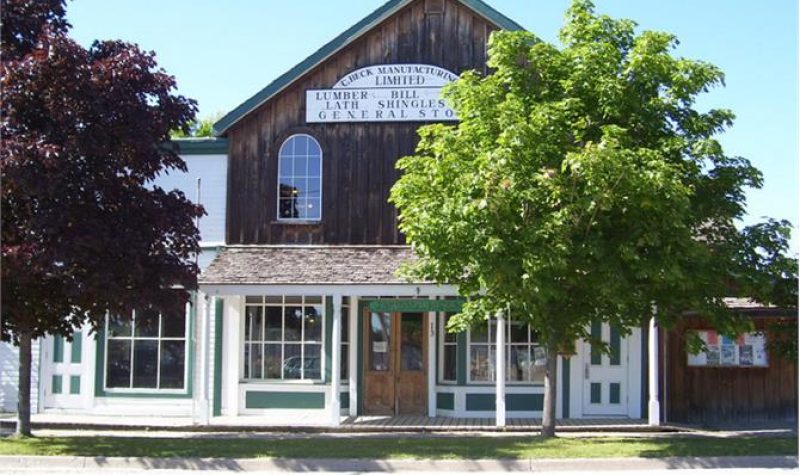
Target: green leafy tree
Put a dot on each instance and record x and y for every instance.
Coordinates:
(581, 184)
(198, 128)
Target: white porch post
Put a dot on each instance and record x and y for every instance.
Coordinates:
(353, 356)
(201, 385)
(653, 406)
(432, 326)
(336, 350)
(500, 360)
(231, 354)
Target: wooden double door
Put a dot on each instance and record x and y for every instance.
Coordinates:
(396, 361)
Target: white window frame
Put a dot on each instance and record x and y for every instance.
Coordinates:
(492, 344)
(138, 390)
(243, 341)
(442, 317)
(278, 183)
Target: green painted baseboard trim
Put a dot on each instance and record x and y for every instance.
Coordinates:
(514, 402)
(283, 400)
(445, 401)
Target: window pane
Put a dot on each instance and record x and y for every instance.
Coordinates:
(312, 188)
(288, 147)
(253, 323)
(293, 321)
(411, 341)
(519, 333)
(380, 341)
(286, 188)
(300, 145)
(449, 363)
(300, 164)
(313, 148)
(118, 367)
(313, 208)
(479, 333)
(520, 366)
(247, 360)
(286, 166)
(447, 336)
(345, 325)
(173, 357)
(293, 299)
(173, 325)
(314, 166)
(345, 358)
(313, 322)
(146, 323)
(292, 361)
(273, 323)
(256, 361)
(539, 364)
(119, 325)
(288, 208)
(145, 363)
(479, 363)
(272, 361)
(312, 361)
(254, 299)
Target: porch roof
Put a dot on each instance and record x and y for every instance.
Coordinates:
(320, 265)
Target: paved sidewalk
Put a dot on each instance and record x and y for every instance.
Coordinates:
(24, 463)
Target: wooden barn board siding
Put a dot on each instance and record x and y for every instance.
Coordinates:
(358, 158)
(721, 394)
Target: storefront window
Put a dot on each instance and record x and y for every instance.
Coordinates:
(525, 358)
(283, 338)
(448, 350)
(146, 350)
(300, 179)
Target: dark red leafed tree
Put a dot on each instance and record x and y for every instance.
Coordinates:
(84, 230)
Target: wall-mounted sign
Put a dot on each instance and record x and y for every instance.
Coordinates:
(384, 93)
(747, 350)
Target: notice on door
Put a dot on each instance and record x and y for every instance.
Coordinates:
(380, 346)
(384, 93)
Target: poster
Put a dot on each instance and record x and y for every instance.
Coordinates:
(748, 350)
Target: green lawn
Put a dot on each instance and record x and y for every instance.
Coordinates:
(385, 448)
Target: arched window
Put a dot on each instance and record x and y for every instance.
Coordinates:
(300, 179)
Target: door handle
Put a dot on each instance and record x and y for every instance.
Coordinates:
(586, 371)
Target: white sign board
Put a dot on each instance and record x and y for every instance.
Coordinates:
(747, 350)
(384, 93)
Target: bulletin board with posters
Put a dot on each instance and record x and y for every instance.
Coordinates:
(748, 350)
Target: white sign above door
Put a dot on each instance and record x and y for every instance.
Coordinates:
(384, 93)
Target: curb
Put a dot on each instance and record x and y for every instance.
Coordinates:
(6, 424)
(401, 465)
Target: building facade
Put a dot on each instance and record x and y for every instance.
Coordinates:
(300, 314)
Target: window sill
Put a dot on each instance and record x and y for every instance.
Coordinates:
(298, 222)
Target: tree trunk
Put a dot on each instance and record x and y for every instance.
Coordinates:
(549, 409)
(24, 390)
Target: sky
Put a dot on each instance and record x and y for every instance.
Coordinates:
(224, 51)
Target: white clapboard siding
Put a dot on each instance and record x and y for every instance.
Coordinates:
(9, 377)
(212, 171)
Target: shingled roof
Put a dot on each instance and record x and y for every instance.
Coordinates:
(259, 265)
